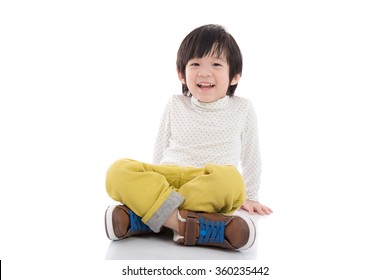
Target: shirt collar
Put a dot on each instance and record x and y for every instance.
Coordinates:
(212, 106)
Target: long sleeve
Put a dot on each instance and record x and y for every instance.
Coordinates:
(250, 154)
(163, 135)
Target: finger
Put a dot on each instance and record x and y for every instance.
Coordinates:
(268, 210)
(259, 210)
(249, 208)
(265, 210)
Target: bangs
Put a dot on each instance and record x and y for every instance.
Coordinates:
(209, 41)
(207, 45)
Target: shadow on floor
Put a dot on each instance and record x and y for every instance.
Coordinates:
(161, 247)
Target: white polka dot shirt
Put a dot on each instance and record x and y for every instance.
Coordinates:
(222, 132)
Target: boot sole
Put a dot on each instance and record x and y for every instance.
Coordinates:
(252, 231)
(109, 225)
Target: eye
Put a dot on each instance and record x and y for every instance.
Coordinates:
(217, 65)
(193, 63)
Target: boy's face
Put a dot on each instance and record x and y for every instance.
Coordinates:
(207, 78)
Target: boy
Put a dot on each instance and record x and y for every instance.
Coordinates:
(193, 186)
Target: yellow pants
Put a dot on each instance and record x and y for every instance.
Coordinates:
(153, 192)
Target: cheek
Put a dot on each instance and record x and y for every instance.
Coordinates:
(224, 80)
(190, 75)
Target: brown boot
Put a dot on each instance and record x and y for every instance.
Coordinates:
(121, 222)
(214, 229)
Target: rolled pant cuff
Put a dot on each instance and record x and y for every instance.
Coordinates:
(173, 202)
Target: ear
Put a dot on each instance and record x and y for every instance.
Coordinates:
(181, 78)
(235, 80)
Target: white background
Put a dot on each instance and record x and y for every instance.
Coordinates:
(84, 83)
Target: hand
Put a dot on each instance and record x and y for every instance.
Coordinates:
(253, 206)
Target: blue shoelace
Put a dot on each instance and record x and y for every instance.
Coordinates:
(211, 232)
(136, 224)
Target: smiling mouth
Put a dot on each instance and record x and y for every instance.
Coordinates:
(205, 85)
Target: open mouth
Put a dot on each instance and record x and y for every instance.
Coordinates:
(205, 85)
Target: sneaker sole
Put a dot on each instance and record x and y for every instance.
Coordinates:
(252, 231)
(109, 225)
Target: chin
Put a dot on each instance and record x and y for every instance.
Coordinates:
(206, 99)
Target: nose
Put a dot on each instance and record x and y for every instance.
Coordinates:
(204, 72)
